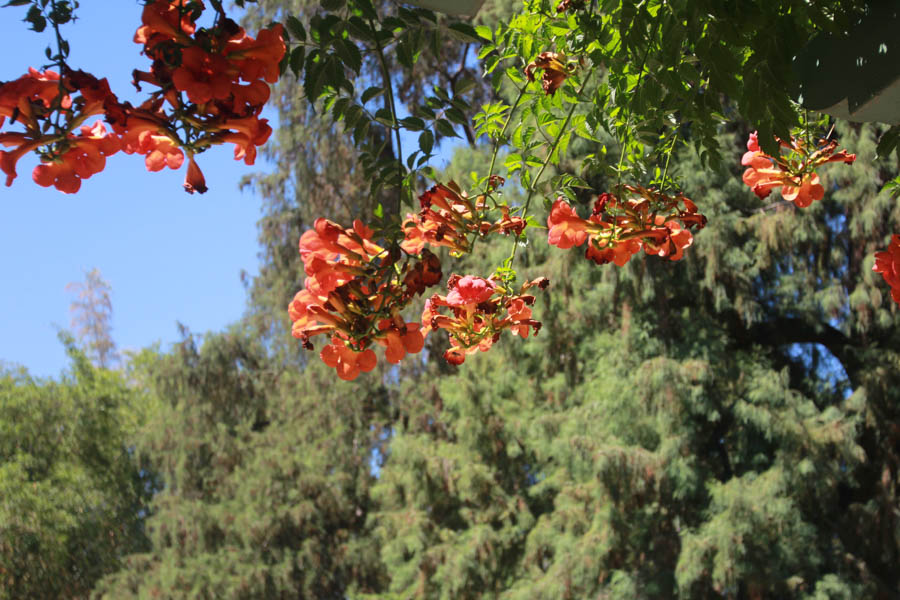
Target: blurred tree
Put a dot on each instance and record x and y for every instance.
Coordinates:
(92, 318)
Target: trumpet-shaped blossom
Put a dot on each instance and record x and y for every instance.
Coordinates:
(347, 362)
(86, 156)
(212, 85)
(354, 292)
(793, 172)
(566, 228)
(888, 264)
(618, 229)
(479, 311)
(470, 290)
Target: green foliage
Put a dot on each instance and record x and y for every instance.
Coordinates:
(266, 475)
(71, 491)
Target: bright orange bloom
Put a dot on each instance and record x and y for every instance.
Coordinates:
(203, 76)
(193, 179)
(347, 362)
(451, 219)
(150, 139)
(259, 58)
(86, 156)
(888, 264)
(520, 314)
(619, 253)
(19, 97)
(354, 291)
(249, 132)
(477, 306)
(794, 173)
(400, 340)
(618, 229)
(162, 21)
(9, 158)
(804, 194)
(566, 228)
(470, 290)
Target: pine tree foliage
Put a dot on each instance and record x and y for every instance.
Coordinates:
(265, 475)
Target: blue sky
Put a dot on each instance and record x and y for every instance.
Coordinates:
(168, 256)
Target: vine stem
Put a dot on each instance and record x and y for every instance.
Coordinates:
(662, 184)
(61, 63)
(389, 89)
(534, 184)
(495, 151)
(497, 142)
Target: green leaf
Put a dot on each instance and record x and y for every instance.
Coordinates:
(314, 80)
(295, 27)
(384, 117)
(360, 131)
(444, 128)
(371, 93)
(340, 105)
(457, 116)
(483, 31)
(367, 9)
(352, 114)
(465, 84)
(349, 54)
(413, 123)
(426, 141)
(298, 54)
(411, 159)
(888, 142)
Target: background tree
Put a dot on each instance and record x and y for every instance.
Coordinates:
(266, 473)
(92, 318)
(72, 495)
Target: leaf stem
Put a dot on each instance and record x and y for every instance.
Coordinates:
(662, 183)
(389, 89)
(499, 139)
(534, 183)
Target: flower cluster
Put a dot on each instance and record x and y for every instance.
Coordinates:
(222, 72)
(618, 228)
(888, 264)
(480, 310)
(793, 171)
(356, 289)
(449, 218)
(51, 110)
(354, 293)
